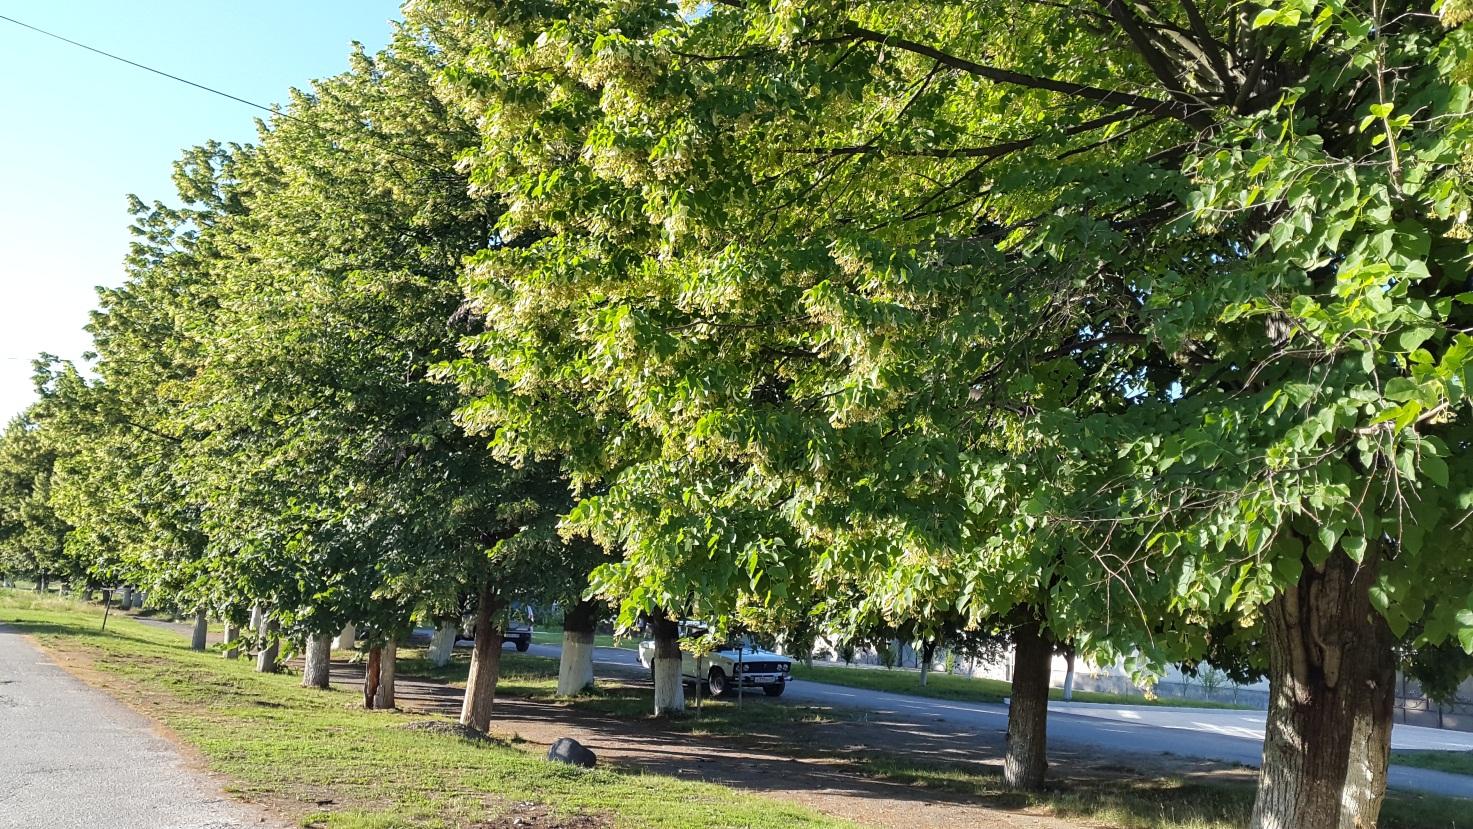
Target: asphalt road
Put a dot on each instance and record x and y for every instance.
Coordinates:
(1230, 736)
(71, 757)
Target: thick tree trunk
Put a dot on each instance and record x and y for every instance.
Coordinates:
(232, 641)
(669, 686)
(201, 634)
(370, 676)
(383, 698)
(928, 654)
(1026, 761)
(442, 644)
(480, 686)
(1333, 677)
(317, 672)
(266, 660)
(126, 603)
(347, 640)
(575, 666)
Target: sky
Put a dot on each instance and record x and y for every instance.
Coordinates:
(79, 132)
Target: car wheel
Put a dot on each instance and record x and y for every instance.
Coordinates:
(719, 684)
(523, 645)
(774, 690)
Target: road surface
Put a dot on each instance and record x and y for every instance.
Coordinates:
(1224, 735)
(71, 757)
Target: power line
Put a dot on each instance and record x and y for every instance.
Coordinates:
(213, 91)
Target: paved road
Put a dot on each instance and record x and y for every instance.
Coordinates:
(1230, 736)
(71, 757)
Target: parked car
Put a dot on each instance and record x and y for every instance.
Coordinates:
(518, 634)
(732, 663)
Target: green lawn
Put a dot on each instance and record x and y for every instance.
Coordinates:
(275, 740)
(1456, 762)
(1135, 802)
(602, 640)
(278, 742)
(964, 688)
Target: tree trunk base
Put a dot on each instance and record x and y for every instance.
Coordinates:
(1332, 676)
(1026, 762)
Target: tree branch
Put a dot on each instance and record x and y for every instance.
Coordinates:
(1153, 106)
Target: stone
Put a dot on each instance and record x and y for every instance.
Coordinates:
(569, 750)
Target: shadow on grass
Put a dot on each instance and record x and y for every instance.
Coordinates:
(33, 628)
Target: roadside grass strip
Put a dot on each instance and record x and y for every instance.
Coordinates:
(321, 759)
(318, 757)
(968, 689)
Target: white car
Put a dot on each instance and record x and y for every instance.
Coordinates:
(726, 666)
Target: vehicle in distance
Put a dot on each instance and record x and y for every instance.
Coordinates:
(731, 663)
(518, 634)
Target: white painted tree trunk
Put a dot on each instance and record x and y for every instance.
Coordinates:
(316, 673)
(270, 649)
(384, 698)
(201, 634)
(669, 687)
(347, 640)
(442, 644)
(232, 641)
(1069, 675)
(258, 622)
(575, 666)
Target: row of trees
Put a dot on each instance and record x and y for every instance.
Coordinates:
(1139, 327)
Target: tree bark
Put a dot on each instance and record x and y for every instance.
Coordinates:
(669, 686)
(370, 676)
(232, 641)
(199, 638)
(442, 644)
(1332, 675)
(317, 672)
(1026, 761)
(383, 698)
(126, 603)
(480, 685)
(575, 665)
(928, 654)
(266, 662)
(347, 640)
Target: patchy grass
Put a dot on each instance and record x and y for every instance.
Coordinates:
(601, 640)
(1130, 801)
(1453, 762)
(535, 677)
(965, 688)
(321, 758)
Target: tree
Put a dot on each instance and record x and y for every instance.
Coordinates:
(1152, 314)
(32, 534)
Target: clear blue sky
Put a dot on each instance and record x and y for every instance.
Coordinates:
(80, 132)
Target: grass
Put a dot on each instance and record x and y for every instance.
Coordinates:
(276, 741)
(965, 688)
(602, 640)
(1136, 802)
(535, 677)
(1454, 762)
(296, 748)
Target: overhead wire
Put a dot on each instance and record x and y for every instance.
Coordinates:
(274, 110)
